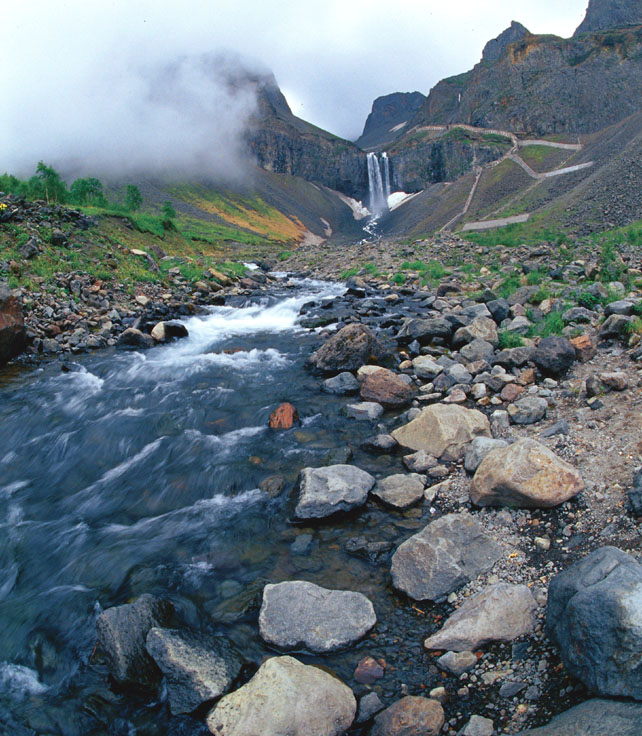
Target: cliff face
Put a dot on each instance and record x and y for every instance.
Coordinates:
(282, 143)
(389, 118)
(603, 15)
(494, 49)
(544, 85)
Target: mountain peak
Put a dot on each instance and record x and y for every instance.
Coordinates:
(602, 15)
(494, 49)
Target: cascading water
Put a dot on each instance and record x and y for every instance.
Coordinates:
(377, 197)
(385, 161)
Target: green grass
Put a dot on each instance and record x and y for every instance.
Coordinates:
(552, 324)
(509, 340)
(399, 279)
(431, 272)
(519, 233)
(510, 284)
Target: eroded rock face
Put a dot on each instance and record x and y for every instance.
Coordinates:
(525, 474)
(122, 631)
(325, 491)
(410, 716)
(298, 614)
(195, 671)
(285, 697)
(501, 612)
(442, 557)
(444, 431)
(348, 350)
(594, 613)
(12, 327)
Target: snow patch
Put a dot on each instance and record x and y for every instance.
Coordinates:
(396, 199)
(398, 127)
(358, 210)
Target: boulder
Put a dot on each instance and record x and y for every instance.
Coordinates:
(525, 474)
(426, 367)
(400, 491)
(478, 449)
(444, 431)
(166, 331)
(325, 491)
(348, 349)
(410, 716)
(501, 612)
(134, 339)
(285, 697)
(424, 331)
(476, 350)
(195, 672)
(284, 416)
(481, 328)
(342, 385)
(610, 717)
(388, 389)
(299, 614)
(554, 356)
(442, 557)
(594, 613)
(13, 334)
(514, 357)
(364, 411)
(528, 410)
(122, 631)
(615, 327)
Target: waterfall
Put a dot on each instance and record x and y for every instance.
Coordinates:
(378, 200)
(386, 175)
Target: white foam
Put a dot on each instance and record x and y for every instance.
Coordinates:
(83, 386)
(19, 681)
(8, 490)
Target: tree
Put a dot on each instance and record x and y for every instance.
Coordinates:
(133, 197)
(55, 189)
(168, 212)
(88, 191)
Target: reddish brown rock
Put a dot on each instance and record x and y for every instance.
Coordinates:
(369, 670)
(386, 388)
(284, 417)
(349, 349)
(12, 326)
(410, 716)
(584, 348)
(511, 391)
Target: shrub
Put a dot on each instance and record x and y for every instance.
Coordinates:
(509, 339)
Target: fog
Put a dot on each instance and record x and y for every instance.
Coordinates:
(121, 87)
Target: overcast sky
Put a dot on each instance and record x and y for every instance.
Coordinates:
(73, 68)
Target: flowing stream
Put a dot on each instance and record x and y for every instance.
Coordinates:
(139, 472)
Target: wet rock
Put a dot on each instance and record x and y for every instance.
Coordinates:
(122, 631)
(457, 662)
(369, 670)
(325, 491)
(443, 431)
(554, 356)
(376, 553)
(195, 672)
(379, 444)
(343, 384)
(285, 697)
(400, 491)
(300, 614)
(369, 705)
(388, 389)
(613, 717)
(347, 350)
(284, 416)
(478, 726)
(166, 331)
(501, 612)
(481, 328)
(525, 474)
(528, 410)
(365, 411)
(593, 613)
(478, 449)
(410, 716)
(135, 339)
(272, 485)
(13, 335)
(442, 557)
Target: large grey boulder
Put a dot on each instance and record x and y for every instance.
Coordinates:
(122, 631)
(525, 474)
(195, 671)
(285, 697)
(400, 491)
(594, 718)
(528, 410)
(325, 491)
(443, 430)
(299, 614)
(442, 557)
(501, 612)
(594, 613)
(348, 349)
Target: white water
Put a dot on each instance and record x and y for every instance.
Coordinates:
(377, 198)
(385, 162)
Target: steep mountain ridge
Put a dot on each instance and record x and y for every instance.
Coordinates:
(608, 14)
(389, 118)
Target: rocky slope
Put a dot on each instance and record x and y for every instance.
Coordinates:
(388, 119)
(604, 14)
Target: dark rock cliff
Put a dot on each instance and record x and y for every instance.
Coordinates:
(604, 15)
(494, 49)
(285, 144)
(544, 85)
(389, 112)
